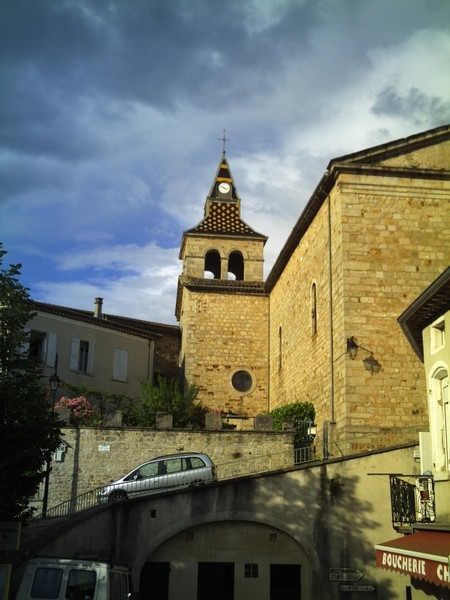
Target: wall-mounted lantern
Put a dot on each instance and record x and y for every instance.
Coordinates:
(370, 363)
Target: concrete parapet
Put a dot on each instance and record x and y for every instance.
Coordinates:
(164, 420)
(264, 422)
(213, 421)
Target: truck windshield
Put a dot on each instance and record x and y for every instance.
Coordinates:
(81, 584)
(47, 583)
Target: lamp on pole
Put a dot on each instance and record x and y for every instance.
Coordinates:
(54, 382)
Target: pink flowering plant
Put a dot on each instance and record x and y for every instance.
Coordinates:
(218, 411)
(81, 410)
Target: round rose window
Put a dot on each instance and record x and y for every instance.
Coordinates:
(242, 381)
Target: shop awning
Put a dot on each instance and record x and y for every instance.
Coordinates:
(424, 555)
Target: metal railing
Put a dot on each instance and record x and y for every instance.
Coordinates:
(324, 448)
(240, 467)
(305, 454)
(225, 471)
(61, 512)
(412, 502)
(366, 442)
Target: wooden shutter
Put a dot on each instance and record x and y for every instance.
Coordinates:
(120, 369)
(50, 349)
(74, 354)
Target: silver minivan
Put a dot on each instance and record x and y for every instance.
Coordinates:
(160, 474)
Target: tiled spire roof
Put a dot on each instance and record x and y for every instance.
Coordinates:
(223, 207)
(223, 217)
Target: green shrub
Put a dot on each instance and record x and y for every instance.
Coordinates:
(299, 413)
(166, 396)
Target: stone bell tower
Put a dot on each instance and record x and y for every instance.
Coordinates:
(222, 307)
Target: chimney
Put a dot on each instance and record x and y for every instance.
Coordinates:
(98, 308)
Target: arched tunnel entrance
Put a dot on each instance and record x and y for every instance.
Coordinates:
(232, 560)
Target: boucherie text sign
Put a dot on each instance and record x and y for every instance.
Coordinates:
(415, 566)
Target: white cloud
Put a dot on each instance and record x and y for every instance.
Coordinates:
(420, 61)
(261, 15)
(133, 281)
(110, 142)
(124, 258)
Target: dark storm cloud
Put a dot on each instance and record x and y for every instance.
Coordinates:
(417, 105)
(22, 176)
(65, 62)
(70, 69)
(45, 48)
(111, 109)
(200, 52)
(60, 57)
(38, 122)
(142, 50)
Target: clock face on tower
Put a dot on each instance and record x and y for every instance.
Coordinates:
(224, 187)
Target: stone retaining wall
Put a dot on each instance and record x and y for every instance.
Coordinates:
(95, 456)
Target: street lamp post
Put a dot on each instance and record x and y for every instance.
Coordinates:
(54, 382)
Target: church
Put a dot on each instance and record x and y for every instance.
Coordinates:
(355, 306)
(323, 327)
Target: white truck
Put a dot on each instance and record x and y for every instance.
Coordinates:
(70, 579)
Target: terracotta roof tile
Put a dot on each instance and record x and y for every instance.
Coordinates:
(136, 327)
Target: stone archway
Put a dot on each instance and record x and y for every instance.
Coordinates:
(243, 555)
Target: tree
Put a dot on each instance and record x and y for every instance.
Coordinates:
(29, 429)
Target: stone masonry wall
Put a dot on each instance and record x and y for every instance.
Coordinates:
(196, 248)
(224, 333)
(394, 246)
(300, 358)
(94, 456)
(167, 354)
(388, 243)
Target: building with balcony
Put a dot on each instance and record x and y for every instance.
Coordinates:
(421, 505)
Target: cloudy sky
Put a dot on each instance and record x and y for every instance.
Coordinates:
(111, 110)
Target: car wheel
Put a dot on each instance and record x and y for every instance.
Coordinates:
(116, 496)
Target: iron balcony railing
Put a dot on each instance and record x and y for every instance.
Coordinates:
(412, 500)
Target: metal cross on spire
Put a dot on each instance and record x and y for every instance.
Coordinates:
(224, 140)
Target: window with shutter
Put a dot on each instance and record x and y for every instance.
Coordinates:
(50, 351)
(120, 369)
(81, 356)
(74, 353)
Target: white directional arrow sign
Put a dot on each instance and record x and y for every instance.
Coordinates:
(344, 574)
(357, 588)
